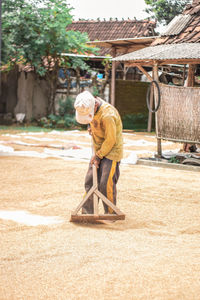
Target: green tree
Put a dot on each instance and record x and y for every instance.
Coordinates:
(165, 10)
(34, 33)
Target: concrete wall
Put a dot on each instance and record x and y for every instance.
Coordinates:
(8, 98)
(32, 95)
(24, 93)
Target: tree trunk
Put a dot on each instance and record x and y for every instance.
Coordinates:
(52, 78)
(106, 70)
(78, 80)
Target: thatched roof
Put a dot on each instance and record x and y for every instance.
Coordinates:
(163, 52)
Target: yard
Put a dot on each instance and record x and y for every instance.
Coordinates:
(153, 254)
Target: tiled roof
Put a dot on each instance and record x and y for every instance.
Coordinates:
(115, 29)
(183, 29)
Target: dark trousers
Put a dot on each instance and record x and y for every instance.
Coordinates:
(108, 175)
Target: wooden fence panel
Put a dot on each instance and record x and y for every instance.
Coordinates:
(179, 114)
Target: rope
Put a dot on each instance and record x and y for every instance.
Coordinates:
(149, 94)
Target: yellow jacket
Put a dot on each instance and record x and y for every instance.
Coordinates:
(106, 128)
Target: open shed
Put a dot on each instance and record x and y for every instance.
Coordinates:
(116, 37)
(178, 118)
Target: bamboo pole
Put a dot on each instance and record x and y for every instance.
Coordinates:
(113, 77)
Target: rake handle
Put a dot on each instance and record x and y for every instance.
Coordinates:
(95, 184)
(94, 172)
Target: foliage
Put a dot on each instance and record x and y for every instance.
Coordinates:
(165, 10)
(174, 160)
(36, 30)
(95, 91)
(65, 117)
(34, 33)
(66, 106)
(107, 62)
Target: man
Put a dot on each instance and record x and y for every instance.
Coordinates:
(105, 126)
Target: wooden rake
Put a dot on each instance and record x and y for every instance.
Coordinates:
(96, 217)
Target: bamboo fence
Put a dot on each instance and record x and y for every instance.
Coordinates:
(178, 117)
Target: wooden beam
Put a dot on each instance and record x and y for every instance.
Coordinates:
(142, 63)
(179, 61)
(144, 71)
(163, 62)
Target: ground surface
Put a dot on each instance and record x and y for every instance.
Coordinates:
(153, 254)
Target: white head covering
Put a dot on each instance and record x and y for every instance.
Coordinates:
(84, 105)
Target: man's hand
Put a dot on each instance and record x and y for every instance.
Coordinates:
(95, 160)
(89, 130)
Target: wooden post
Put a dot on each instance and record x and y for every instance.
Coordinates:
(190, 83)
(149, 128)
(125, 70)
(113, 78)
(191, 71)
(184, 69)
(159, 146)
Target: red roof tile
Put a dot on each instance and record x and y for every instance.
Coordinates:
(112, 30)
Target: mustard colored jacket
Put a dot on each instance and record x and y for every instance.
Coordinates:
(106, 128)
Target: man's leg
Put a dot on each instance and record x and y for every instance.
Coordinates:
(88, 206)
(108, 176)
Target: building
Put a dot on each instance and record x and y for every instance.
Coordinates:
(178, 118)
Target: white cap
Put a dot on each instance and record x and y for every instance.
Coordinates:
(84, 105)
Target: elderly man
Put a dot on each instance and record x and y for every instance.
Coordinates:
(105, 126)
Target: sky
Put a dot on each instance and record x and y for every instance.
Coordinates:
(93, 9)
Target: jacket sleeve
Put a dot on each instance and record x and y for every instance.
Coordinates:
(110, 137)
